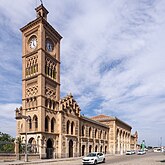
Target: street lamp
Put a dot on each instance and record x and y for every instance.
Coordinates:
(20, 116)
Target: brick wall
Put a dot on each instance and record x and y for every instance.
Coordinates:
(13, 157)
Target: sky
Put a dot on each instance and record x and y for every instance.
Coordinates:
(112, 59)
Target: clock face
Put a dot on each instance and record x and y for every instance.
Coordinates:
(49, 46)
(33, 42)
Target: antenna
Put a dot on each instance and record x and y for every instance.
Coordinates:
(40, 1)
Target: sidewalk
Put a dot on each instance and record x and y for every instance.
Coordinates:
(43, 161)
(40, 161)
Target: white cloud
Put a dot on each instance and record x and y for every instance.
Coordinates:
(7, 118)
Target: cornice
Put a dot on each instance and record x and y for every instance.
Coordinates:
(31, 24)
(44, 22)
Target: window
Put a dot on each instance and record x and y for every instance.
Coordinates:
(35, 122)
(90, 132)
(83, 130)
(52, 124)
(101, 134)
(68, 125)
(105, 135)
(30, 123)
(47, 124)
(96, 133)
(72, 128)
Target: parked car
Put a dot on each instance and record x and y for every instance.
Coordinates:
(94, 158)
(141, 152)
(157, 150)
(128, 153)
(133, 151)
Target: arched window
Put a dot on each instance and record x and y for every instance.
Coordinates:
(54, 105)
(101, 134)
(90, 132)
(35, 119)
(67, 127)
(105, 135)
(95, 133)
(47, 124)
(50, 104)
(30, 123)
(72, 128)
(83, 130)
(52, 124)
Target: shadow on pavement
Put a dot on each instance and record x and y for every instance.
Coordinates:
(162, 161)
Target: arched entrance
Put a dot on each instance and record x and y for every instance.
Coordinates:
(96, 148)
(105, 149)
(70, 148)
(90, 148)
(49, 149)
(101, 148)
(32, 147)
(83, 150)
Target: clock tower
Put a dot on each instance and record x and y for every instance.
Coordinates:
(40, 85)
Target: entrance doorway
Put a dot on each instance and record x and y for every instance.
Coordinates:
(49, 149)
(105, 149)
(101, 148)
(70, 148)
(95, 148)
(83, 150)
(90, 148)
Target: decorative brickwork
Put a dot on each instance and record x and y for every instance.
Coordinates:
(31, 65)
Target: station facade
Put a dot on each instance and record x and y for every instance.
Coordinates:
(53, 126)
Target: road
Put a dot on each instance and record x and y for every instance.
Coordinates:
(147, 159)
(150, 158)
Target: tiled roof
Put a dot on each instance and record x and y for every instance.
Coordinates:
(108, 118)
(102, 117)
(93, 121)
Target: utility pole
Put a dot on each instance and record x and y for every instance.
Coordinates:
(26, 118)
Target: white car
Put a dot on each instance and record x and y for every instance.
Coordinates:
(157, 150)
(133, 151)
(141, 152)
(94, 158)
(128, 153)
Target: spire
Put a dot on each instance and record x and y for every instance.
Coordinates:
(41, 11)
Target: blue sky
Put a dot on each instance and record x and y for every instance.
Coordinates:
(112, 59)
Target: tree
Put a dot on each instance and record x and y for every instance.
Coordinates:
(6, 143)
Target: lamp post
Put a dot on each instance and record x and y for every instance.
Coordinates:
(20, 116)
(26, 122)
